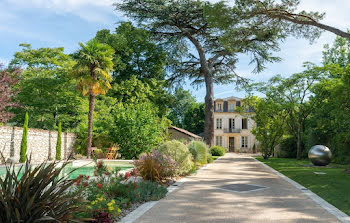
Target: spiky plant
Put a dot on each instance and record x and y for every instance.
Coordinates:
(35, 194)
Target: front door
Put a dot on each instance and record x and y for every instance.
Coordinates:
(231, 144)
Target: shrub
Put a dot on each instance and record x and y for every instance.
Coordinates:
(178, 152)
(150, 191)
(217, 151)
(59, 142)
(137, 128)
(105, 193)
(210, 158)
(23, 151)
(288, 147)
(155, 167)
(34, 194)
(109, 192)
(199, 151)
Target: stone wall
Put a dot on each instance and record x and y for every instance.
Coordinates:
(41, 143)
(174, 134)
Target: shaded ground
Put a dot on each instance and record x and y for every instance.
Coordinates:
(331, 183)
(202, 200)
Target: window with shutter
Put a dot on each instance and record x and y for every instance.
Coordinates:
(244, 141)
(244, 123)
(218, 123)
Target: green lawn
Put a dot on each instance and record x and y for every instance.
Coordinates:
(215, 157)
(333, 187)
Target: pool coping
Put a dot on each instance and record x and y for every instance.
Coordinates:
(341, 216)
(62, 161)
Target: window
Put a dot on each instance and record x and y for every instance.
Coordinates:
(244, 123)
(218, 123)
(232, 107)
(219, 107)
(231, 123)
(244, 141)
(218, 140)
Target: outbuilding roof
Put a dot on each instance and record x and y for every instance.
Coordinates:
(185, 132)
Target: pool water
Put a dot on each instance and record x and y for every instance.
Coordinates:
(89, 170)
(86, 170)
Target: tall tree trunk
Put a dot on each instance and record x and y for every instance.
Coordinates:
(209, 97)
(209, 111)
(299, 142)
(91, 114)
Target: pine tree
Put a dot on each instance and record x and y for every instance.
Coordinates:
(23, 152)
(59, 142)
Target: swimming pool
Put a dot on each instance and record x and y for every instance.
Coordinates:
(85, 168)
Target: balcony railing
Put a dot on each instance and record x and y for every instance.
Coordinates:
(232, 130)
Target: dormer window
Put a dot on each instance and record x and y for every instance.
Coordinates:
(232, 107)
(219, 107)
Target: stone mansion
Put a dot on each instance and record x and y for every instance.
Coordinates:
(232, 130)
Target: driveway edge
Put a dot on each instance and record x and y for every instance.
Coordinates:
(341, 216)
(138, 212)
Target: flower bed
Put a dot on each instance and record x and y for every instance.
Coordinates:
(110, 195)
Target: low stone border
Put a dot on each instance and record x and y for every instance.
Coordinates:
(344, 218)
(138, 212)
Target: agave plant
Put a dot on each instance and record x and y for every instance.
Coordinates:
(36, 194)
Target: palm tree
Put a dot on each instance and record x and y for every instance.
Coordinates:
(92, 70)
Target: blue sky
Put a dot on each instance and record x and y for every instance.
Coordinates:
(64, 23)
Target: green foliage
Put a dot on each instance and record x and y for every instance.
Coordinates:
(155, 167)
(199, 151)
(93, 64)
(210, 158)
(194, 118)
(23, 150)
(103, 123)
(47, 89)
(195, 24)
(182, 26)
(139, 66)
(150, 191)
(34, 194)
(137, 128)
(182, 101)
(109, 192)
(270, 122)
(178, 152)
(135, 53)
(59, 142)
(134, 90)
(217, 151)
(338, 53)
(288, 147)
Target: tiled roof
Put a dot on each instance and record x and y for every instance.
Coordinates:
(229, 98)
(185, 132)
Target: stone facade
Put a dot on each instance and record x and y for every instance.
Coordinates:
(182, 134)
(232, 130)
(41, 143)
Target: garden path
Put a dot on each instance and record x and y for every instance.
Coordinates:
(201, 198)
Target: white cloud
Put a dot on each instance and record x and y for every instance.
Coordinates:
(336, 11)
(89, 10)
(4, 62)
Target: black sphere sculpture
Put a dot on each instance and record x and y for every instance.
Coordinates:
(320, 155)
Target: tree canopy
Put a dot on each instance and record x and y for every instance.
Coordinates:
(47, 90)
(218, 33)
